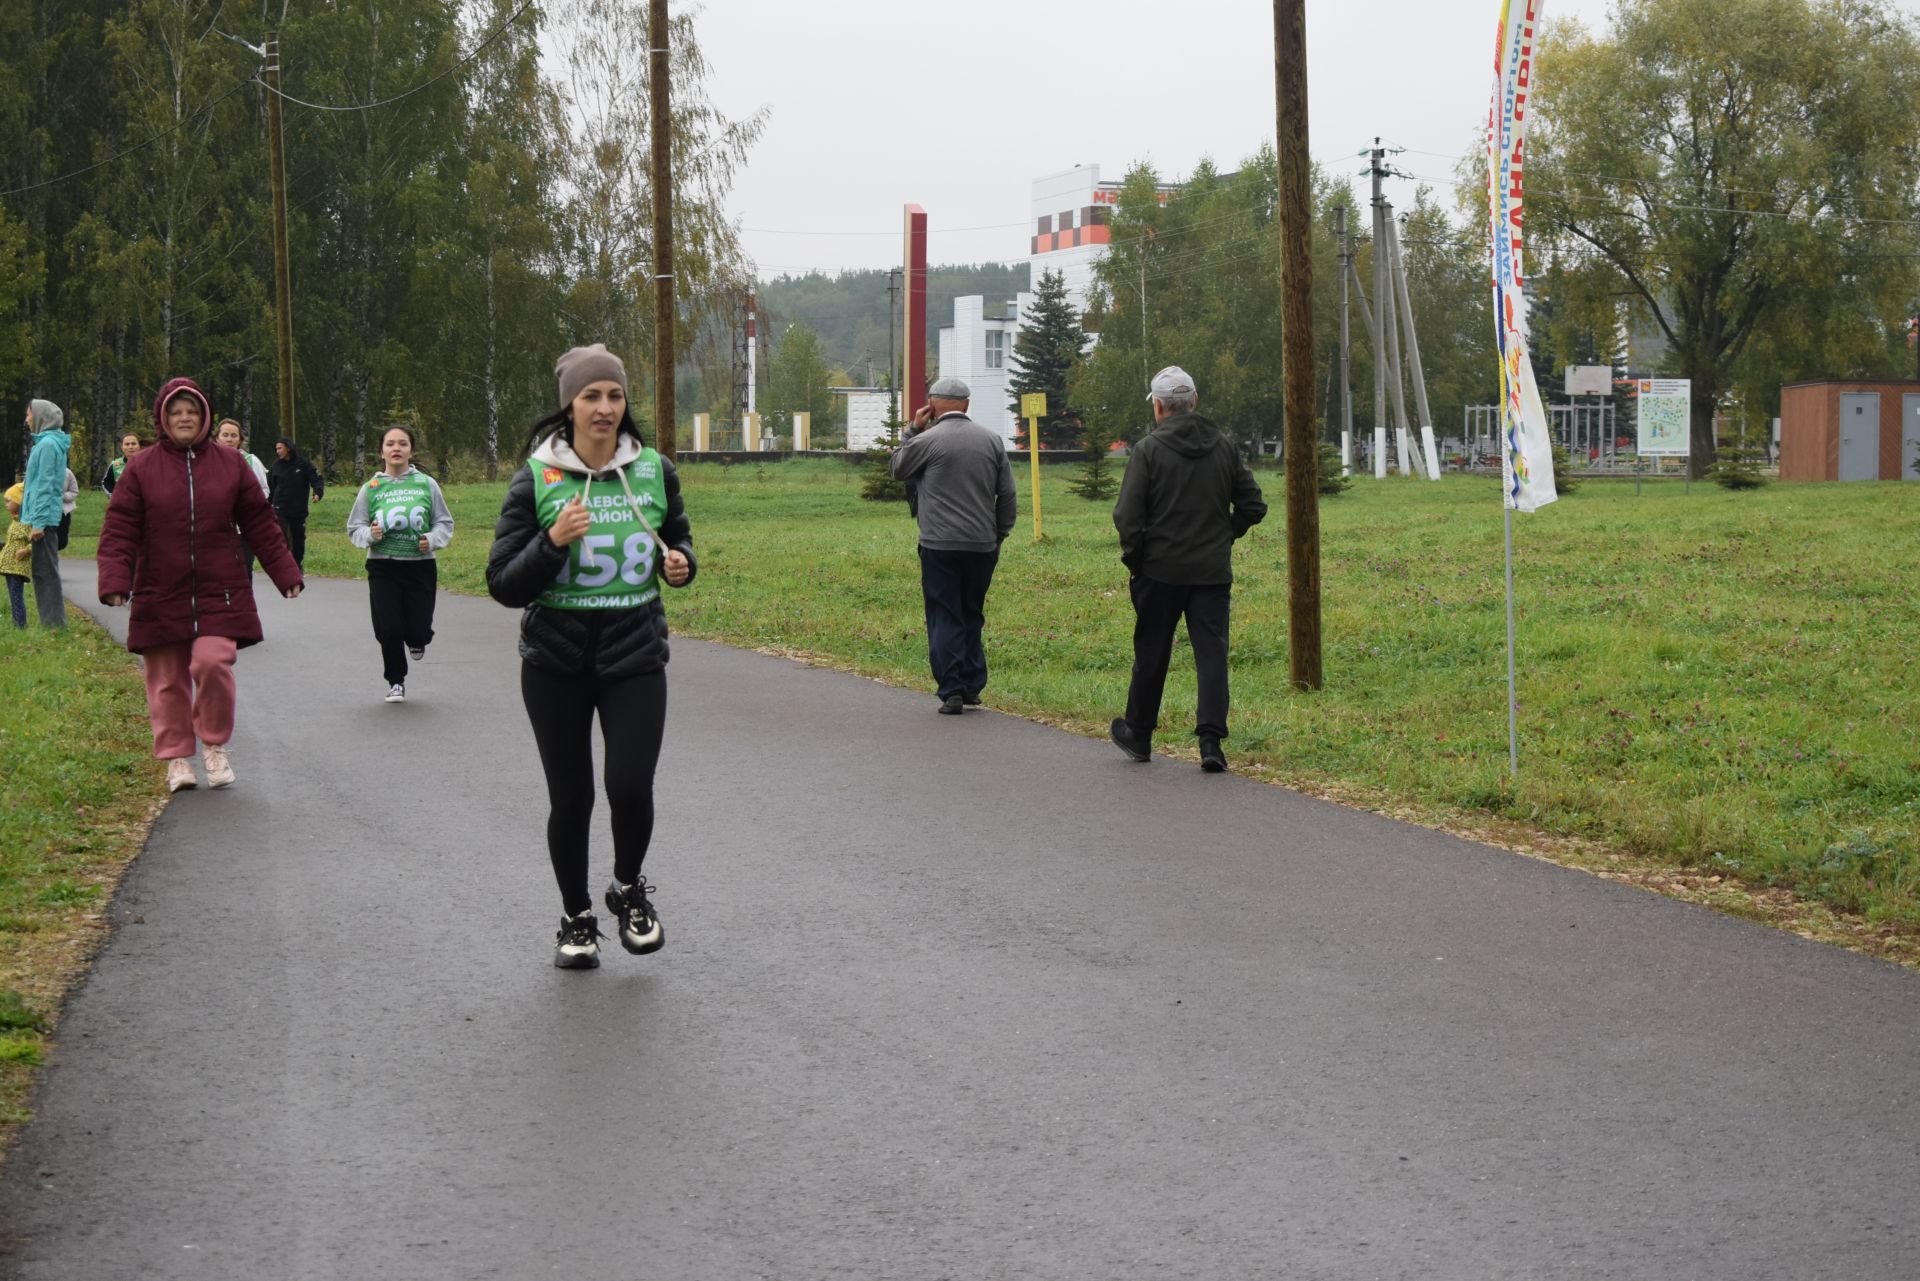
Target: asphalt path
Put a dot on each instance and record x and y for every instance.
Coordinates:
(941, 998)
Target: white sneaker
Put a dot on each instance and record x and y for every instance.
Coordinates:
(180, 775)
(396, 693)
(219, 768)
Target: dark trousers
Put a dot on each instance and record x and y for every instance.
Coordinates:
(401, 594)
(1157, 610)
(633, 718)
(47, 597)
(954, 588)
(66, 530)
(17, 599)
(295, 528)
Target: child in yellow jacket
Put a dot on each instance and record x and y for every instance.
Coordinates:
(16, 558)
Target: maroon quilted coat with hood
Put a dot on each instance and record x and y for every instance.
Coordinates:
(170, 537)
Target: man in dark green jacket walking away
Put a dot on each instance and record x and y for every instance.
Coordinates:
(1186, 497)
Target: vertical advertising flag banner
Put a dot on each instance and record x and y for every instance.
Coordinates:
(1527, 454)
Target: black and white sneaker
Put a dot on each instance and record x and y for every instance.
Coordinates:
(396, 693)
(640, 929)
(577, 945)
(417, 652)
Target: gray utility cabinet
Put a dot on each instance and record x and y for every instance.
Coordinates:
(1860, 435)
(1910, 437)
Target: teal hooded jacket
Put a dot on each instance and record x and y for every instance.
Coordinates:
(46, 479)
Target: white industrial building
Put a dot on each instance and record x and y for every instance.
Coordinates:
(977, 348)
(1072, 210)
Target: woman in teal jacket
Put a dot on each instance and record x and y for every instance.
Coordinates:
(46, 486)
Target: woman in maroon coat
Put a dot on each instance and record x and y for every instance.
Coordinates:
(171, 544)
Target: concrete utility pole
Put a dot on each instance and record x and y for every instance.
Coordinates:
(1428, 451)
(282, 272)
(893, 360)
(1341, 231)
(1377, 169)
(1296, 321)
(660, 75)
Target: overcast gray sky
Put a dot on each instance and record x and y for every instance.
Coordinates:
(959, 106)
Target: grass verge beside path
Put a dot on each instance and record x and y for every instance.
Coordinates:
(81, 790)
(1719, 691)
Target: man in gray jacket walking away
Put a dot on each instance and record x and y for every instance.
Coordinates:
(1184, 500)
(967, 509)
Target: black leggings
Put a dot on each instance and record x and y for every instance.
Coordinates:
(401, 594)
(633, 716)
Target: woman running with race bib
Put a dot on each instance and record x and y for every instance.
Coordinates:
(590, 528)
(401, 519)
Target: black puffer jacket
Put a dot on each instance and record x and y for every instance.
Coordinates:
(609, 643)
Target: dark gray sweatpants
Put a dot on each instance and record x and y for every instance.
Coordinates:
(46, 581)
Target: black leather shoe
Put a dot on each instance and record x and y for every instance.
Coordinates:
(971, 700)
(1127, 741)
(1212, 759)
(952, 705)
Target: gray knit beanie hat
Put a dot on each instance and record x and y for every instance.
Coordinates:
(585, 365)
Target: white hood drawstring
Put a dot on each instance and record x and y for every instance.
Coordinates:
(586, 492)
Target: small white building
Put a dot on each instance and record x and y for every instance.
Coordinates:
(867, 409)
(977, 348)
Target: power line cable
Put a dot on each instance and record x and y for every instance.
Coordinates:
(138, 146)
(425, 84)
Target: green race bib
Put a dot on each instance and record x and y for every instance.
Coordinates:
(403, 508)
(617, 564)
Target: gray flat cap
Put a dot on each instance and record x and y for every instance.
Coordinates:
(950, 389)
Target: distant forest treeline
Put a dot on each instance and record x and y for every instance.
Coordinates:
(848, 311)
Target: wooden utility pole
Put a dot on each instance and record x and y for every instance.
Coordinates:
(282, 273)
(1296, 319)
(660, 76)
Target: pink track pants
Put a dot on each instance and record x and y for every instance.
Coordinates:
(190, 694)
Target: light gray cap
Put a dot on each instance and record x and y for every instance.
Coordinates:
(950, 389)
(1171, 381)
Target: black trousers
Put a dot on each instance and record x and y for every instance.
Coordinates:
(1157, 609)
(295, 528)
(633, 718)
(953, 586)
(401, 594)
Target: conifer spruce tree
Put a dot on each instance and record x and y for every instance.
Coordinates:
(1050, 345)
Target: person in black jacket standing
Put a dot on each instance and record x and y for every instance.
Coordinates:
(591, 526)
(1185, 498)
(290, 478)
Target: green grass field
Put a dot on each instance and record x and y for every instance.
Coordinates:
(1707, 680)
(81, 786)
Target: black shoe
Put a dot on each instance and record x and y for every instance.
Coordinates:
(577, 945)
(971, 700)
(952, 705)
(640, 929)
(418, 652)
(1127, 741)
(1212, 759)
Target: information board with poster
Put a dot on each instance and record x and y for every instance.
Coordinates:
(1666, 416)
